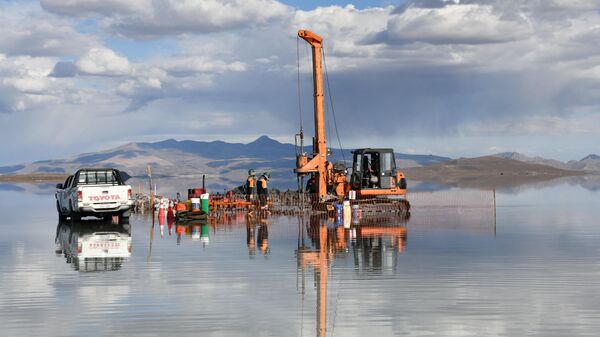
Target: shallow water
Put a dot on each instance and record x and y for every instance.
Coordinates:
(529, 268)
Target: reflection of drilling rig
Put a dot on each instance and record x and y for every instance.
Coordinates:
(329, 241)
(319, 260)
(374, 177)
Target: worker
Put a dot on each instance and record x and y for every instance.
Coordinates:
(374, 172)
(311, 184)
(262, 189)
(250, 185)
(366, 171)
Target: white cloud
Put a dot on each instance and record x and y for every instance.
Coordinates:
(343, 29)
(24, 83)
(103, 61)
(95, 7)
(439, 68)
(454, 24)
(28, 31)
(568, 5)
(155, 18)
(199, 64)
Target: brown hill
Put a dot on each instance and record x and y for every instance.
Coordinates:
(486, 172)
(33, 178)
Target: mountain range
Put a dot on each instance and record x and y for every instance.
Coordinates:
(590, 163)
(224, 164)
(488, 172)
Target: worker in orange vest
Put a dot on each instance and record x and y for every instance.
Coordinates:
(250, 185)
(263, 190)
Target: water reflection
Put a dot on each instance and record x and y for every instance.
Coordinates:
(443, 273)
(257, 234)
(196, 230)
(93, 245)
(375, 243)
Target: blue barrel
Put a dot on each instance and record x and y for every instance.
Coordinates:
(339, 209)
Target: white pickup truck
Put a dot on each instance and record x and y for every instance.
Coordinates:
(99, 192)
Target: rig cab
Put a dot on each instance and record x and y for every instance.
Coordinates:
(374, 173)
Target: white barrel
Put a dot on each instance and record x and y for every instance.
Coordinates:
(195, 204)
(347, 210)
(352, 195)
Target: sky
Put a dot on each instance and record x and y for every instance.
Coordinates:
(458, 78)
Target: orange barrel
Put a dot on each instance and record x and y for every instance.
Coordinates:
(180, 206)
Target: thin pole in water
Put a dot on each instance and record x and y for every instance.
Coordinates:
(494, 212)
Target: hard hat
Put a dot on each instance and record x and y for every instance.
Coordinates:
(251, 172)
(267, 175)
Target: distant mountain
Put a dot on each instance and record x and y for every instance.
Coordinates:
(224, 164)
(590, 163)
(534, 160)
(487, 172)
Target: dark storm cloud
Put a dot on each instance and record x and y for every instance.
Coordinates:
(431, 100)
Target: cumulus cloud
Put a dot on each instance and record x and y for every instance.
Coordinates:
(427, 68)
(156, 18)
(103, 61)
(27, 31)
(199, 64)
(24, 83)
(453, 24)
(343, 28)
(82, 8)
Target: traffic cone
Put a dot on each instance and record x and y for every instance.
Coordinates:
(170, 214)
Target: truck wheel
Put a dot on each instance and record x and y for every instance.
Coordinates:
(124, 217)
(74, 215)
(61, 216)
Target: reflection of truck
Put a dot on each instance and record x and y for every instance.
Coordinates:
(98, 192)
(94, 246)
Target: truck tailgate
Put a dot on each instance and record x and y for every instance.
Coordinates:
(108, 196)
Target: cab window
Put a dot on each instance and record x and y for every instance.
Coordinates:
(97, 177)
(387, 162)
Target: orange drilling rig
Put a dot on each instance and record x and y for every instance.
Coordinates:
(374, 177)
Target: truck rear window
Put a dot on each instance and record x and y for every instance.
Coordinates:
(98, 177)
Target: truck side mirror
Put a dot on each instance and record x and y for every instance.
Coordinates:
(59, 186)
